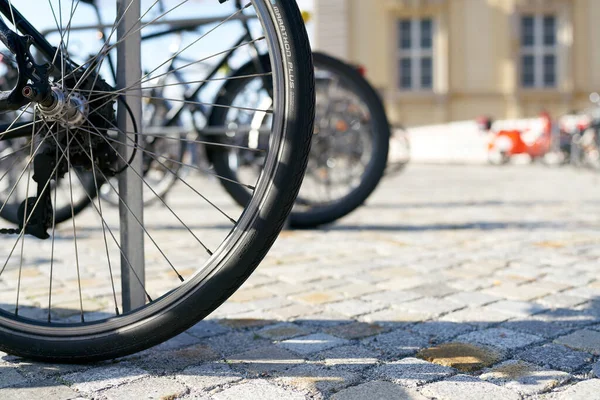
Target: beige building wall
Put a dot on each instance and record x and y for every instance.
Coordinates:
(476, 55)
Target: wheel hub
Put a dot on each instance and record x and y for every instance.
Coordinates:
(69, 110)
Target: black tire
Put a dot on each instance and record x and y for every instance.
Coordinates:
(332, 211)
(235, 260)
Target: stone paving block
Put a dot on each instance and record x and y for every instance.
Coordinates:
(391, 297)
(556, 356)
(38, 390)
(356, 330)
(524, 378)
(396, 344)
(585, 390)
(378, 390)
(561, 300)
(270, 303)
(292, 311)
(515, 308)
(237, 342)
(403, 283)
(312, 343)
(180, 341)
(440, 331)
(500, 338)
(150, 388)
(323, 319)
(246, 295)
(463, 387)
(545, 329)
(394, 317)
(284, 289)
(412, 372)
(265, 360)
(282, 331)
(472, 299)
(470, 285)
(318, 297)
(174, 360)
(461, 356)
(250, 320)
(100, 378)
(434, 290)
(476, 317)
(568, 317)
(259, 390)
(354, 290)
(584, 340)
(510, 291)
(353, 308)
(208, 376)
(38, 371)
(430, 306)
(204, 329)
(318, 380)
(353, 357)
(588, 292)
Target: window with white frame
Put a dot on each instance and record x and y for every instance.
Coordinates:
(415, 54)
(538, 51)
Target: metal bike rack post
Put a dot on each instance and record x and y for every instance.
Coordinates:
(129, 72)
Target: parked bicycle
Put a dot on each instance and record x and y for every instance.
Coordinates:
(79, 118)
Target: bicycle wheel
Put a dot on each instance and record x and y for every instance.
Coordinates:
(350, 143)
(60, 299)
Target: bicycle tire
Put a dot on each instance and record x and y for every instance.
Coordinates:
(234, 261)
(319, 215)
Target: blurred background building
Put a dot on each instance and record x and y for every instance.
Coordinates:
(436, 61)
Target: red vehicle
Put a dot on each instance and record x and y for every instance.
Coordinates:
(535, 142)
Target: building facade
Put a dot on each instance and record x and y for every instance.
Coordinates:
(436, 61)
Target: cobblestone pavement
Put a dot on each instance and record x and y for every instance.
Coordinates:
(451, 283)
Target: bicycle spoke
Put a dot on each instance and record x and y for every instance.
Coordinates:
(178, 83)
(107, 227)
(164, 203)
(132, 214)
(53, 240)
(24, 226)
(112, 281)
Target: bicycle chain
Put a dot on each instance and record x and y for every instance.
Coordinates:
(9, 231)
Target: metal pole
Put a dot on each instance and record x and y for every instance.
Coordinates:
(129, 71)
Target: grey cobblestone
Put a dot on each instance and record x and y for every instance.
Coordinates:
(378, 391)
(38, 390)
(412, 372)
(556, 356)
(585, 340)
(312, 343)
(318, 380)
(100, 378)
(524, 378)
(462, 387)
(151, 388)
(580, 391)
(9, 376)
(208, 376)
(398, 343)
(504, 339)
(403, 275)
(258, 389)
(353, 357)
